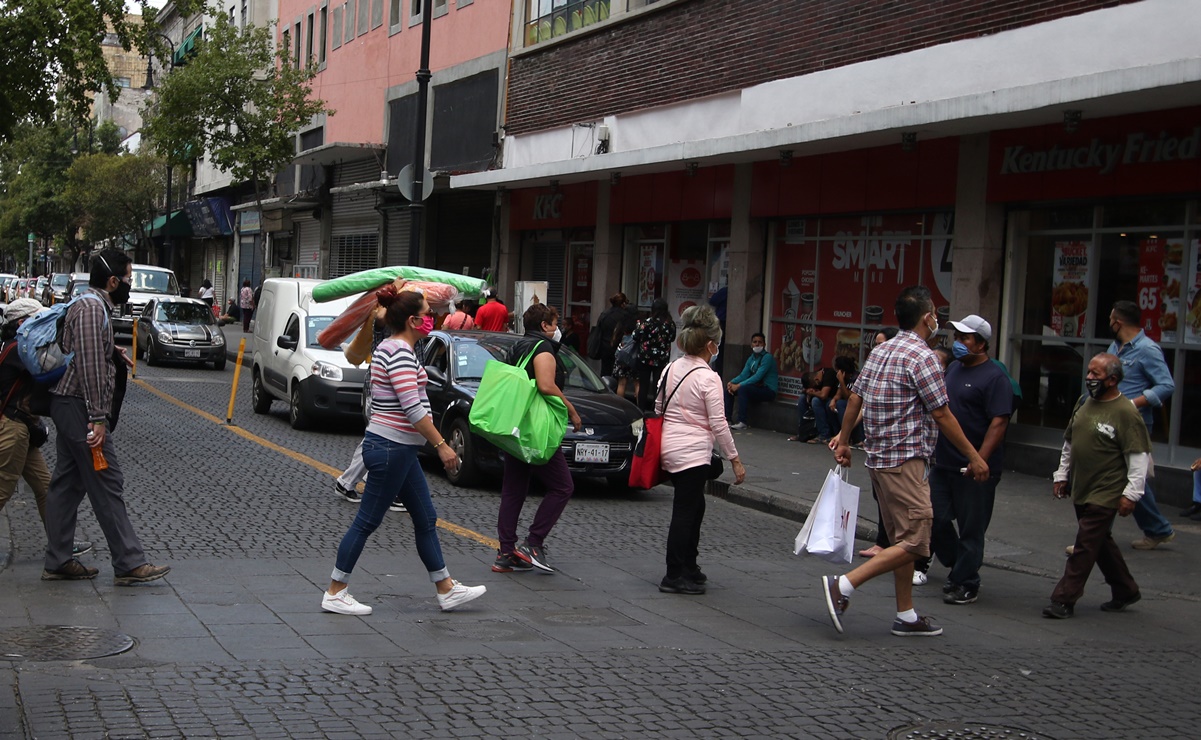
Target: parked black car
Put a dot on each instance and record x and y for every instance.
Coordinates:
(455, 364)
(180, 330)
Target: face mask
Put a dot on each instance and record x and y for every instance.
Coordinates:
(427, 325)
(960, 350)
(120, 294)
(715, 354)
(758, 350)
(935, 329)
(557, 336)
(1095, 387)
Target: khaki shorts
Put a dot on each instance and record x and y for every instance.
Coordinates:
(904, 496)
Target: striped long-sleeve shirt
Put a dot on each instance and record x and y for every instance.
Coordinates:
(398, 399)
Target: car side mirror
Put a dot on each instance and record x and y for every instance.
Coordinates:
(435, 374)
(286, 342)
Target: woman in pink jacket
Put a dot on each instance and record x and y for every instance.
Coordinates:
(693, 418)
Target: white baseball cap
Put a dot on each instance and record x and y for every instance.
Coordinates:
(22, 308)
(973, 324)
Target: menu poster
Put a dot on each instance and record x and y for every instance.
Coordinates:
(1192, 319)
(648, 277)
(685, 286)
(1151, 287)
(793, 298)
(1069, 290)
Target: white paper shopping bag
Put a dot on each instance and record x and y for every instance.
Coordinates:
(829, 530)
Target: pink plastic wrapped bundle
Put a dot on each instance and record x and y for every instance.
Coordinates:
(340, 329)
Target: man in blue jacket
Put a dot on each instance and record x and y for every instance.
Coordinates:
(1148, 384)
(758, 381)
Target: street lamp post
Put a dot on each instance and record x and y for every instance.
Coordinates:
(416, 204)
(165, 255)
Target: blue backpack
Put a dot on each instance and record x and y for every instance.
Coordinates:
(39, 342)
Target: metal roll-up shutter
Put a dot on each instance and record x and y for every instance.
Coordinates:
(354, 239)
(307, 240)
(550, 264)
(349, 173)
(400, 222)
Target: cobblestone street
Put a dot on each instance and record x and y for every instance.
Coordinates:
(234, 644)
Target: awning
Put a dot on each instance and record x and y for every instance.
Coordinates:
(285, 203)
(338, 152)
(186, 47)
(177, 225)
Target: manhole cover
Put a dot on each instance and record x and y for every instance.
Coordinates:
(61, 643)
(949, 730)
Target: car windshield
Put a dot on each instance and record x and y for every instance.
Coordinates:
(184, 313)
(153, 281)
(471, 356)
(79, 288)
(58, 282)
(313, 327)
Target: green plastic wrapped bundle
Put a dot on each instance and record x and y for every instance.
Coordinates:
(358, 282)
(509, 412)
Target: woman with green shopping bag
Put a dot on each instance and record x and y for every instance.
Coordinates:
(541, 345)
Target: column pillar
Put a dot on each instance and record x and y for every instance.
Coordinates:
(978, 259)
(744, 302)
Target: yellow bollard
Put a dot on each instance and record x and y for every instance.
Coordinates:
(233, 392)
(134, 372)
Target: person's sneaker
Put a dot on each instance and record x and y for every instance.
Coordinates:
(535, 555)
(681, 586)
(1069, 550)
(397, 507)
(948, 587)
(961, 595)
(1150, 543)
(459, 595)
(920, 578)
(1194, 508)
(1058, 611)
(923, 627)
(343, 603)
(836, 603)
(739, 426)
(72, 570)
(347, 494)
(81, 547)
(697, 576)
(141, 574)
(509, 563)
(1118, 605)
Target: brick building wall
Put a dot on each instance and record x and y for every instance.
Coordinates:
(704, 47)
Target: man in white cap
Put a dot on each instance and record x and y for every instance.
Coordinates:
(19, 458)
(981, 398)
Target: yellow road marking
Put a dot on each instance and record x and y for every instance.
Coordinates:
(304, 459)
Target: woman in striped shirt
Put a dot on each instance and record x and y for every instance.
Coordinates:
(399, 427)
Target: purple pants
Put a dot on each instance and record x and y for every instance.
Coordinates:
(555, 477)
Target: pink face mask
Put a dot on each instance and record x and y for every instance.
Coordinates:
(427, 325)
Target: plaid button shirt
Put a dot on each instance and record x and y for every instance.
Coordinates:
(901, 383)
(91, 374)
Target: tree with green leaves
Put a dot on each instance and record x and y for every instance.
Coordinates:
(237, 101)
(116, 196)
(53, 55)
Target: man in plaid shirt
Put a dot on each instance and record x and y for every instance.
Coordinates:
(904, 405)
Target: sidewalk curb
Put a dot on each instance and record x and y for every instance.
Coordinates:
(776, 505)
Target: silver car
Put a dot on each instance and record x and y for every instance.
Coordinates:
(174, 329)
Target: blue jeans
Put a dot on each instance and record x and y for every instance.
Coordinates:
(841, 412)
(826, 419)
(1197, 486)
(960, 502)
(746, 394)
(1146, 512)
(393, 472)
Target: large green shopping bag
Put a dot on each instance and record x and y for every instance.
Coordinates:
(509, 412)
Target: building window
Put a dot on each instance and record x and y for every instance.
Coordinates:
(245, 14)
(415, 8)
(364, 16)
(308, 42)
(547, 19)
(296, 38)
(440, 8)
(122, 81)
(323, 36)
(350, 10)
(394, 15)
(337, 27)
(286, 45)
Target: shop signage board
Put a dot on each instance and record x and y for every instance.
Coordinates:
(1192, 319)
(1160, 268)
(1069, 291)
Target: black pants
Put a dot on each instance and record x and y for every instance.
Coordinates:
(687, 513)
(648, 384)
(1094, 546)
(960, 502)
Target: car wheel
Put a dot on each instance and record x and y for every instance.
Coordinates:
(296, 414)
(151, 359)
(260, 400)
(219, 364)
(458, 436)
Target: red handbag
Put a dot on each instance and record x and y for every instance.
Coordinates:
(646, 470)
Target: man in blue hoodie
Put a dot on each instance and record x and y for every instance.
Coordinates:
(758, 381)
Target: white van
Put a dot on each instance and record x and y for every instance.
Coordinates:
(146, 282)
(289, 365)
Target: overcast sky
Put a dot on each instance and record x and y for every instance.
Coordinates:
(133, 5)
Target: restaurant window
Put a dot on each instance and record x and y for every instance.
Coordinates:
(547, 19)
(1076, 262)
(834, 282)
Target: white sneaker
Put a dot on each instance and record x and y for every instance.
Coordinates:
(397, 507)
(459, 595)
(343, 603)
(739, 426)
(919, 578)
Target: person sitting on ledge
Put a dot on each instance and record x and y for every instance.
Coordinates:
(758, 381)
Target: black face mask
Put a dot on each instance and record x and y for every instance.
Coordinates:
(120, 294)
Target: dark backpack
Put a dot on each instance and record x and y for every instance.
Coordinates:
(596, 343)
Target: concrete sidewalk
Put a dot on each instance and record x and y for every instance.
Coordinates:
(1029, 528)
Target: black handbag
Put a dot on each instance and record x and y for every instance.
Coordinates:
(39, 433)
(716, 467)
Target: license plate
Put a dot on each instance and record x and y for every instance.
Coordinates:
(191, 353)
(587, 452)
